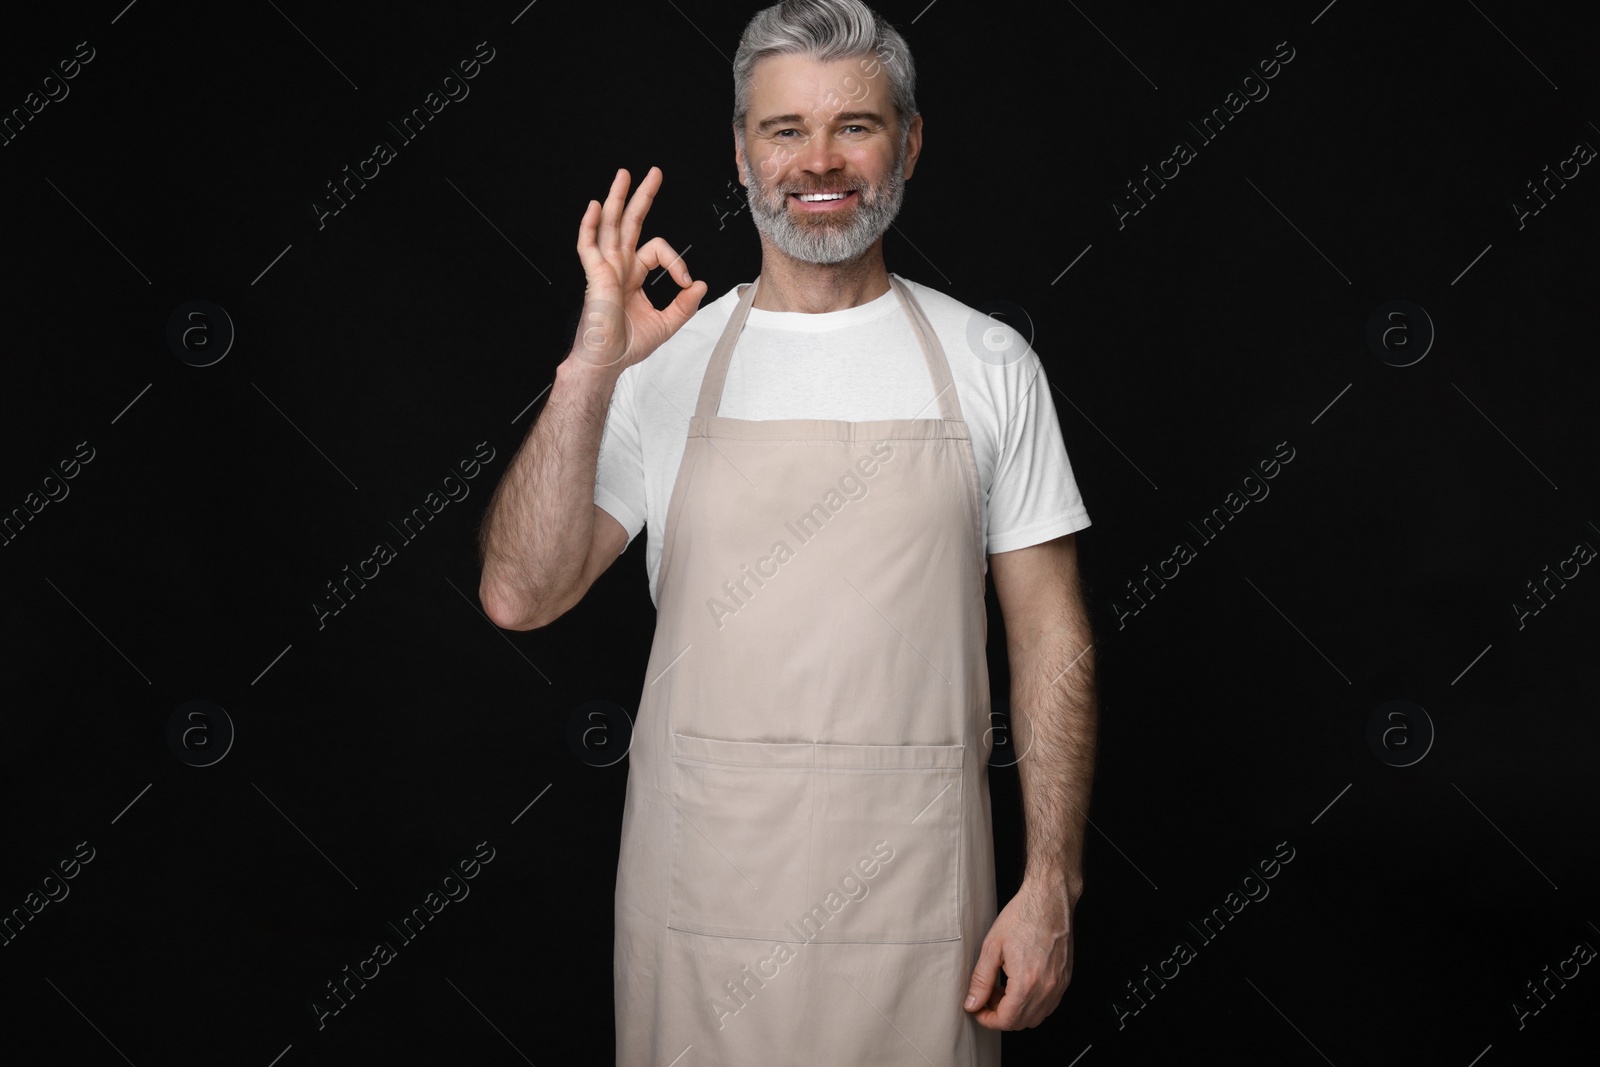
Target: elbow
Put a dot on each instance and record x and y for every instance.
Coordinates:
(510, 610)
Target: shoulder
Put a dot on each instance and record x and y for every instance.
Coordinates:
(937, 303)
(981, 343)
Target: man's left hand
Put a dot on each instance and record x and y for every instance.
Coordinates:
(1031, 942)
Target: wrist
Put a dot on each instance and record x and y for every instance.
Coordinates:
(581, 370)
(1054, 881)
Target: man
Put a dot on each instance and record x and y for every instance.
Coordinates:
(827, 468)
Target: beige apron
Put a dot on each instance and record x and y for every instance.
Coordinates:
(807, 865)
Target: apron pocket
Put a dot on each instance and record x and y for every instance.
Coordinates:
(809, 842)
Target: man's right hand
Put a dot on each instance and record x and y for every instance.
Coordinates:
(620, 326)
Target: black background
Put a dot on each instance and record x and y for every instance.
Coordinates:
(372, 354)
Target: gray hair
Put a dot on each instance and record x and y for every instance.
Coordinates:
(825, 30)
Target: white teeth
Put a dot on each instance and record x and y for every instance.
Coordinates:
(811, 198)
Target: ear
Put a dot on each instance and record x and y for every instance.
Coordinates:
(913, 144)
(738, 155)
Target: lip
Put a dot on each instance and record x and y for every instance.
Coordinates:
(823, 207)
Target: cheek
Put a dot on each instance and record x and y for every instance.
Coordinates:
(875, 168)
(769, 180)
(765, 169)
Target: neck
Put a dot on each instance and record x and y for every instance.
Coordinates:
(789, 284)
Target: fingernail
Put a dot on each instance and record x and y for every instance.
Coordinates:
(972, 1002)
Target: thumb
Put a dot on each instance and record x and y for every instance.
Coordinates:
(684, 305)
(984, 977)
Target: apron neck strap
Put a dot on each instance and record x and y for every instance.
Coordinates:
(932, 352)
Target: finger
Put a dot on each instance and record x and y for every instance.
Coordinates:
(657, 253)
(1004, 1014)
(1011, 1009)
(588, 228)
(684, 305)
(985, 976)
(638, 208)
(611, 214)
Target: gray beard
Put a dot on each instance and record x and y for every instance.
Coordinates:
(826, 240)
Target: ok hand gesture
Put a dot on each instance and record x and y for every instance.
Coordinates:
(620, 325)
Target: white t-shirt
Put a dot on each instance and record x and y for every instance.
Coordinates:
(857, 365)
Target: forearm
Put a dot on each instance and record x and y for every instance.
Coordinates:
(1053, 703)
(537, 532)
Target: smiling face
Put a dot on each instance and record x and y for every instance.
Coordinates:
(824, 156)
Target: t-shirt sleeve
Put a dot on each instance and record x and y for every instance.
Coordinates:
(619, 474)
(1034, 497)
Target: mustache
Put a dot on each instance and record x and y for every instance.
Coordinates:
(822, 185)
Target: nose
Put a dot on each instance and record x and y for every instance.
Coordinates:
(820, 154)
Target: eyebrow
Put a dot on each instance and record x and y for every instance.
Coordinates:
(799, 120)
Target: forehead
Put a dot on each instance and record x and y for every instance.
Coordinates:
(801, 85)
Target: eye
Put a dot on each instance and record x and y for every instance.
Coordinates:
(862, 129)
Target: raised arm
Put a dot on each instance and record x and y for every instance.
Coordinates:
(544, 541)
